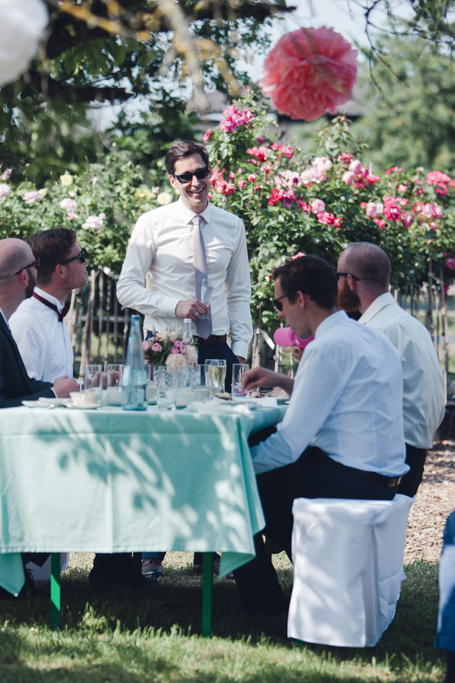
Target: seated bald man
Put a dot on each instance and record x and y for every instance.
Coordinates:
(342, 435)
(363, 284)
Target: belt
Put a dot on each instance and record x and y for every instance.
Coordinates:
(388, 482)
(213, 339)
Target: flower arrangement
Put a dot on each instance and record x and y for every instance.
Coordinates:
(170, 349)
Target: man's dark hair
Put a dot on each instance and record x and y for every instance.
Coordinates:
(51, 247)
(310, 275)
(184, 148)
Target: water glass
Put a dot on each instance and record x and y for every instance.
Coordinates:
(201, 382)
(216, 373)
(237, 373)
(113, 381)
(93, 380)
(167, 384)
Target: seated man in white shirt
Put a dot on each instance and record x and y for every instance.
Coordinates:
(342, 435)
(38, 324)
(363, 284)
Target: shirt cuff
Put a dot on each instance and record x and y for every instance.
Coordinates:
(240, 348)
(53, 390)
(167, 308)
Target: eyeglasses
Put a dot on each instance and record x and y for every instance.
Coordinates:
(277, 303)
(81, 257)
(200, 174)
(30, 265)
(354, 277)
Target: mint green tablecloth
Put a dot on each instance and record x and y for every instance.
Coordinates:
(114, 481)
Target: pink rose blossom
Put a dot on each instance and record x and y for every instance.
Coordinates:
(72, 193)
(299, 255)
(317, 206)
(321, 163)
(191, 354)
(208, 134)
(5, 190)
(348, 177)
(402, 188)
(345, 158)
(266, 168)
(261, 153)
(251, 178)
(68, 205)
(380, 222)
(436, 177)
(406, 219)
(309, 71)
(372, 209)
(355, 166)
(30, 197)
(242, 184)
(450, 263)
(157, 347)
(145, 346)
(93, 222)
(6, 175)
(260, 139)
(102, 216)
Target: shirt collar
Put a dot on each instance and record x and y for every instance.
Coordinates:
(50, 298)
(4, 318)
(188, 215)
(330, 321)
(378, 304)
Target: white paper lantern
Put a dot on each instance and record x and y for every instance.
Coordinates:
(22, 24)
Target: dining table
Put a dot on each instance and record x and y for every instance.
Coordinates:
(108, 480)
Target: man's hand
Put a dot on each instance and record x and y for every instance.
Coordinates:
(63, 386)
(260, 377)
(192, 308)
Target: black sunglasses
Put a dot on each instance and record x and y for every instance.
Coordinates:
(200, 174)
(354, 277)
(30, 265)
(80, 257)
(277, 303)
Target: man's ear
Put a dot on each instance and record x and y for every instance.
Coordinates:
(301, 299)
(172, 181)
(58, 270)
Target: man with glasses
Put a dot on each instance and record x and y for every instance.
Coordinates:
(38, 324)
(180, 245)
(342, 435)
(363, 285)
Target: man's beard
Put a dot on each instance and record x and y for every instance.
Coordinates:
(30, 287)
(348, 299)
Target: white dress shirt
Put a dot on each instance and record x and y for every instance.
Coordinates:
(423, 380)
(162, 243)
(346, 400)
(33, 338)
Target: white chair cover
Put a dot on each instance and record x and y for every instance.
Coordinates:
(348, 557)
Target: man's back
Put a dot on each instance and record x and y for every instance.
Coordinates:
(423, 380)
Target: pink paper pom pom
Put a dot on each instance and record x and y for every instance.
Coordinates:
(309, 71)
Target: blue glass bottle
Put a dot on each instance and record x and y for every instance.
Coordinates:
(134, 380)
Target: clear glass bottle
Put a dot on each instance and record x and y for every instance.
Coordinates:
(187, 332)
(134, 379)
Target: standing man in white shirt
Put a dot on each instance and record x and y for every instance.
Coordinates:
(182, 244)
(38, 324)
(363, 283)
(342, 434)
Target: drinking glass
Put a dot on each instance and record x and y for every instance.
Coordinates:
(217, 373)
(206, 295)
(113, 381)
(93, 381)
(167, 384)
(151, 390)
(237, 372)
(201, 382)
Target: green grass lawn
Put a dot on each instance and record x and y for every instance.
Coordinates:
(154, 636)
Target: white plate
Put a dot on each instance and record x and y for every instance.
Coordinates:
(73, 406)
(32, 404)
(54, 401)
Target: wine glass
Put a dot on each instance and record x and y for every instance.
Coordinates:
(216, 373)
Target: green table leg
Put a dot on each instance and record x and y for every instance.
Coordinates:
(207, 559)
(55, 590)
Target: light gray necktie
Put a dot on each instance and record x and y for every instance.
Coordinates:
(203, 325)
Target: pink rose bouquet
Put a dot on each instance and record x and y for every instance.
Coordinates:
(170, 349)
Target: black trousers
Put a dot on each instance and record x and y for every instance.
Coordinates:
(415, 458)
(313, 475)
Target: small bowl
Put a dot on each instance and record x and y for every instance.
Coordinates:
(82, 398)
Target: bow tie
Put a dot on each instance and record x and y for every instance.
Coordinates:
(47, 303)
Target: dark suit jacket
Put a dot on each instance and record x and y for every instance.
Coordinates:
(15, 384)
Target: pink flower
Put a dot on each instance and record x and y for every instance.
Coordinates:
(355, 166)
(6, 175)
(406, 219)
(266, 168)
(145, 346)
(450, 263)
(402, 188)
(72, 193)
(5, 190)
(260, 139)
(261, 153)
(251, 178)
(321, 163)
(317, 206)
(191, 354)
(309, 71)
(380, 222)
(157, 347)
(306, 208)
(229, 188)
(208, 134)
(68, 205)
(345, 158)
(436, 177)
(297, 255)
(372, 209)
(172, 336)
(93, 222)
(348, 177)
(30, 197)
(289, 152)
(242, 184)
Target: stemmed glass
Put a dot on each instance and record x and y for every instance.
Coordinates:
(216, 373)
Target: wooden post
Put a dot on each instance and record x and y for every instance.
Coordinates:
(100, 314)
(108, 320)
